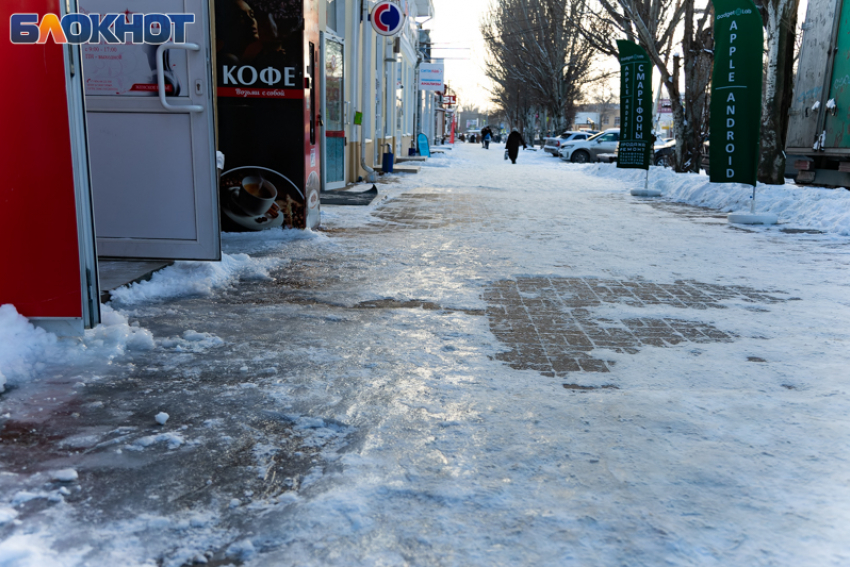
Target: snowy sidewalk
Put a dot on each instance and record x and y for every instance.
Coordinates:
(492, 364)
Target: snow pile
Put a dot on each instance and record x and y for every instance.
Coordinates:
(827, 210)
(183, 279)
(189, 538)
(21, 345)
(115, 333)
(192, 341)
(26, 349)
(241, 550)
(64, 475)
(22, 550)
(171, 440)
(7, 515)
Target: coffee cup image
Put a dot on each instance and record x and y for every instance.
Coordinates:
(255, 196)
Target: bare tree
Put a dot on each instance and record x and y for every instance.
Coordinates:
(537, 60)
(653, 24)
(698, 48)
(780, 22)
(602, 99)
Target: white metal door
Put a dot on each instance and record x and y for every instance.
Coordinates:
(334, 141)
(154, 181)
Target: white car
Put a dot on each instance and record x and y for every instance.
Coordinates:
(586, 151)
(554, 144)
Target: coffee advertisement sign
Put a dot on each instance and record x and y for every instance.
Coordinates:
(267, 56)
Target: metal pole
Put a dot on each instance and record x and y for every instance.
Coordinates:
(352, 51)
(367, 83)
(379, 98)
(380, 84)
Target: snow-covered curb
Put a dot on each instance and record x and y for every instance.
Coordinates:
(196, 278)
(818, 208)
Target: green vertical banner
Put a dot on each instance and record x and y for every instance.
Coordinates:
(736, 92)
(635, 150)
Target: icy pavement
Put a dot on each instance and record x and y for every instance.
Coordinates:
(492, 364)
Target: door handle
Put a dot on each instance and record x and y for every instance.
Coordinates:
(160, 77)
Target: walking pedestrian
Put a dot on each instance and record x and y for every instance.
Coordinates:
(487, 137)
(514, 142)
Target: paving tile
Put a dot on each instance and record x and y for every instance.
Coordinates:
(550, 326)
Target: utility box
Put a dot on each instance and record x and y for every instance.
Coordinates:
(819, 122)
(267, 55)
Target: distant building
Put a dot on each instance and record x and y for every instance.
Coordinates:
(472, 120)
(586, 121)
(664, 118)
(599, 116)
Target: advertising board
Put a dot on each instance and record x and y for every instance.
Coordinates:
(635, 148)
(267, 57)
(431, 77)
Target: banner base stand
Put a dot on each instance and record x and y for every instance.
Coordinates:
(645, 193)
(752, 218)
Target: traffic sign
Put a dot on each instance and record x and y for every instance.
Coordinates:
(388, 18)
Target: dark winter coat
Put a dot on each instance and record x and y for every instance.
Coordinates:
(514, 142)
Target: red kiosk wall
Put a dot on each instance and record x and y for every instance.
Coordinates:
(40, 250)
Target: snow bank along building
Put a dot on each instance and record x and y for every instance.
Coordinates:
(157, 146)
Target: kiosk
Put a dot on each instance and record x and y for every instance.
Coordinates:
(121, 163)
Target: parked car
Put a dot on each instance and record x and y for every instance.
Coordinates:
(553, 144)
(664, 152)
(585, 151)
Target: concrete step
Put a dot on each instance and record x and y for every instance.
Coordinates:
(410, 158)
(113, 274)
(402, 168)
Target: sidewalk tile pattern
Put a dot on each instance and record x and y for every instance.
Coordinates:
(549, 325)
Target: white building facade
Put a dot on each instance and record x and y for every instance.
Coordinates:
(370, 98)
